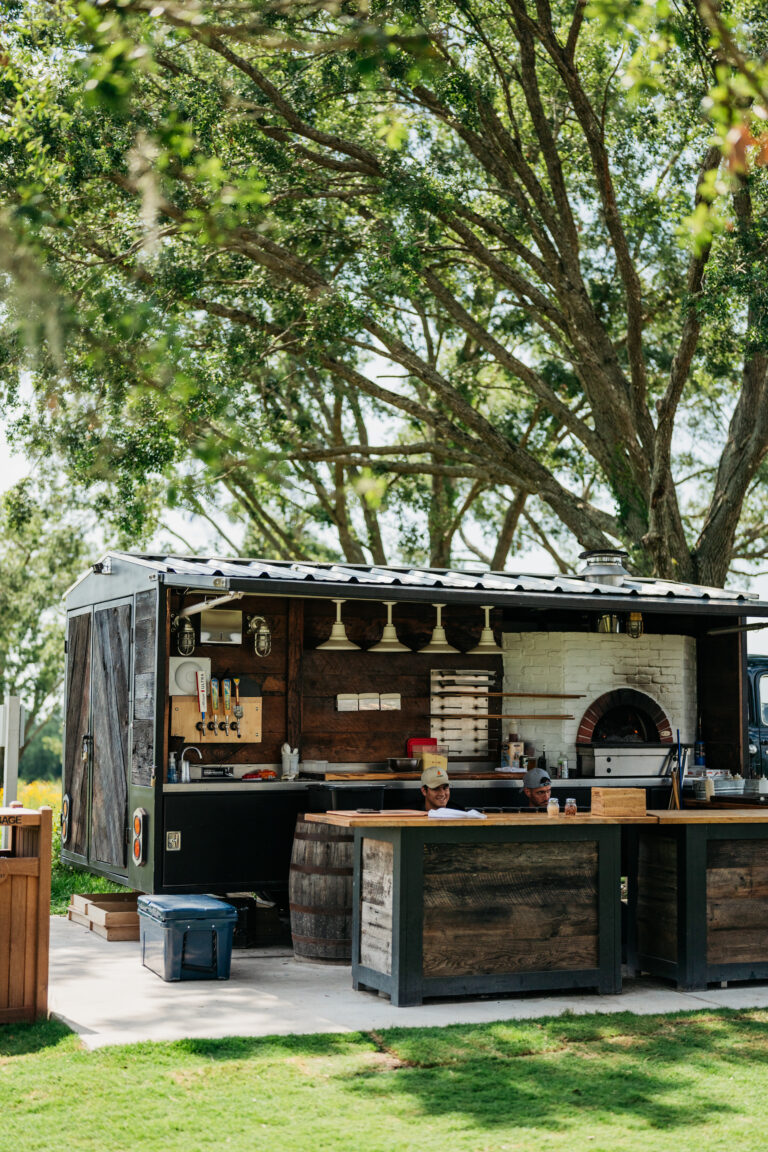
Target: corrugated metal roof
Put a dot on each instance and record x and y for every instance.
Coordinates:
(397, 578)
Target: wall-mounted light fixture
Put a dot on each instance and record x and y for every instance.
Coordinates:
(635, 625)
(185, 633)
(185, 636)
(262, 636)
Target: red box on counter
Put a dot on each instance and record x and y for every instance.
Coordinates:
(417, 744)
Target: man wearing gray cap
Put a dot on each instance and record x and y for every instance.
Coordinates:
(537, 788)
(435, 788)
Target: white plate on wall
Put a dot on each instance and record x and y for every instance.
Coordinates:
(181, 674)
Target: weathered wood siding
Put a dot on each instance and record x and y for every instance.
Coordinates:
(657, 896)
(497, 908)
(144, 688)
(376, 887)
(111, 669)
(737, 901)
(348, 737)
(75, 781)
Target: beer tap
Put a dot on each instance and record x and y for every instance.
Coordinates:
(238, 707)
(226, 687)
(213, 724)
(202, 693)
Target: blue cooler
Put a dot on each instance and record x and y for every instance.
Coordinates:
(186, 937)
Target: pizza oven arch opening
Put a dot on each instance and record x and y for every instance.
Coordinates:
(624, 716)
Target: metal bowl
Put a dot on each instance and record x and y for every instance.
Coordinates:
(402, 763)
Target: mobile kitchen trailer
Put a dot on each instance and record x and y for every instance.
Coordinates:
(603, 669)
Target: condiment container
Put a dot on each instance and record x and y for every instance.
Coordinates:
(553, 807)
(570, 806)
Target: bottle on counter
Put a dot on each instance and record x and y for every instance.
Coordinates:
(562, 767)
(173, 777)
(570, 808)
(542, 760)
(553, 806)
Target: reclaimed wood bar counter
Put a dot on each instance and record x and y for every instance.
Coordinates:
(465, 907)
(702, 896)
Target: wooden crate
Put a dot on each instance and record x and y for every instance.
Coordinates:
(618, 802)
(25, 905)
(113, 915)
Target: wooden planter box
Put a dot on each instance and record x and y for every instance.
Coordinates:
(25, 908)
(111, 915)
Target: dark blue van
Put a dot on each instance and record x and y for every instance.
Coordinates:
(757, 700)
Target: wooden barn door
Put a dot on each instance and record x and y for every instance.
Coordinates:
(77, 742)
(110, 726)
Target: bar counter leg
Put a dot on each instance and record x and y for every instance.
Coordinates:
(692, 908)
(408, 920)
(631, 842)
(609, 910)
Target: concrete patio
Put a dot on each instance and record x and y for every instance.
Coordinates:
(102, 991)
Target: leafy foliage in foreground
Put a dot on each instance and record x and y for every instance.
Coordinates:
(696, 1081)
(246, 235)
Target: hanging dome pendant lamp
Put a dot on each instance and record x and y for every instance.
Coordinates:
(389, 641)
(338, 640)
(487, 645)
(438, 643)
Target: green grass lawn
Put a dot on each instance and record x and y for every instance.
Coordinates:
(687, 1083)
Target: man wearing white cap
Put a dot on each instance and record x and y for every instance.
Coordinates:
(537, 787)
(435, 788)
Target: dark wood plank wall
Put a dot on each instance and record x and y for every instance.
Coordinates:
(737, 901)
(144, 661)
(110, 704)
(657, 896)
(497, 908)
(348, 737)
(259, 675)
(75, 781)
(299, 684)
(722, 698)
(294, 692)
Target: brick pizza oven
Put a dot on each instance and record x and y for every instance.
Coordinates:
(644, 686)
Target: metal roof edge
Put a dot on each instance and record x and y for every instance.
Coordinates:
(595, 596)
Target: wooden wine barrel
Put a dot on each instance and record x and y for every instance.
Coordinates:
(320, 892)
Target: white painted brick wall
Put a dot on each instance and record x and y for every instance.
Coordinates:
(663, 667)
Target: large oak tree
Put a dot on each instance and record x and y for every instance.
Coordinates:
(338, 259)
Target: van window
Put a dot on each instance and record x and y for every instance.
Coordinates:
(763, 698)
